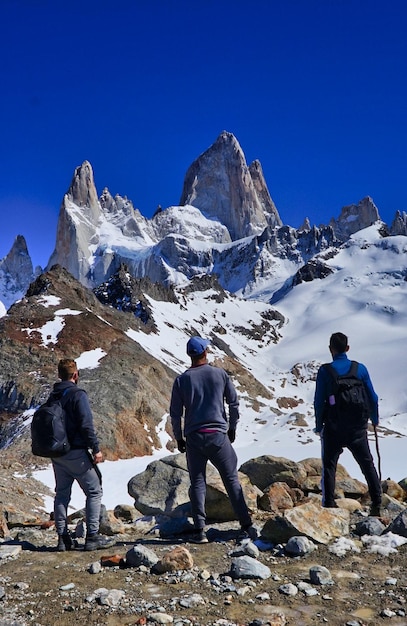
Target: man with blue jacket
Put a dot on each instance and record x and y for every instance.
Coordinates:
(199, 396)
(341, 433)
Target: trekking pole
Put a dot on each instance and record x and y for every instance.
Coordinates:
(379, 463)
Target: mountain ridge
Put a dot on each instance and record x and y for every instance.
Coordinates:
(233, 220)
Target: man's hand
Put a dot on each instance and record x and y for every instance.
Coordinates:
(231, 435)
(98, 457)
(181, 445)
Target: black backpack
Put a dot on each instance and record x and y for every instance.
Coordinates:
(348, 403)
(48, 430)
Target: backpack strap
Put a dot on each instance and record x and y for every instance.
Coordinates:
(353, 369)
(332, 371)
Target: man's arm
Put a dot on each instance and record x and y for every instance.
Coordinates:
(85, 421)
(176, 411)
(373, 397)
(233, 404)
(321, 393)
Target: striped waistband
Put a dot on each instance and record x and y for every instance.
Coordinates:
(208, 430)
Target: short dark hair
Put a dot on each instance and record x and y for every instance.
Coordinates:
(66, 369)
(338, 342)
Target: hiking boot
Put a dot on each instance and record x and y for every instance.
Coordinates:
(198, 537)
(330, 505)
(64, 543)
(247, 532)
(374, 510)
(98, 542)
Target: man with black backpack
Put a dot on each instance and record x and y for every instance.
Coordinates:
(79, 463)
(344, 401)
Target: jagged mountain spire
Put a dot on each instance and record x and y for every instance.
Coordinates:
(221, 185)
(78, 218)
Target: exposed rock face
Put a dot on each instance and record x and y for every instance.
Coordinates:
(221, 185)
(399, 224)
(354, 217)
(122, 394)
(16, 272)
(78, 217)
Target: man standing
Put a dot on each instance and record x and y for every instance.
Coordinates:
(340, 431)
(198, 395)
(79, 463)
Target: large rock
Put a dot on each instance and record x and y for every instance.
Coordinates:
(266, 470)
(309, 519)
(163, 488)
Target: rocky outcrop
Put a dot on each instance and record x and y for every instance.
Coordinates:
(59, 318)
(76, 230)
(221, 185)
(399, 224)
(354, 217)
(16, 272)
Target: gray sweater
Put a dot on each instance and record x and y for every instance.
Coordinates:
(199, 395)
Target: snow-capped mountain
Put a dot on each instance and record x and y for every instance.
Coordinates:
(227, 224)
(266, 294)
(16, 273)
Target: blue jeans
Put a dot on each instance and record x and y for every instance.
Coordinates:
(216, 448)
(76, 465)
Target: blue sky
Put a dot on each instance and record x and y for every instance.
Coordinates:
(314, 89)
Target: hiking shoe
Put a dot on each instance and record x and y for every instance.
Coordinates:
(248, 532)
(330, 505)
(374, 510)
(64, 543)
(198, 537)
(98, 542)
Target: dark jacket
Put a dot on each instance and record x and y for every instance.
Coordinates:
(79, 418)
(342, 365)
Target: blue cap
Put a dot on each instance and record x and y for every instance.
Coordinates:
(197, 346)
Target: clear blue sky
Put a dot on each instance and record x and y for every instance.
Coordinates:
(314, 89)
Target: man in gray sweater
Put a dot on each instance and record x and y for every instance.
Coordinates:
(198, 396)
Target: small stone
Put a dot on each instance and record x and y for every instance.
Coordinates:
(387, 613)
(161, 618)
(320, 575)
(67, 587)
(95, 568)
(288, 589)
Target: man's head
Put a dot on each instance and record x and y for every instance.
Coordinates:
(68, 370)
(338, 343)
(196, 347)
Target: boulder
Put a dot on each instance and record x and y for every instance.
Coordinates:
(163, 489)
(266, 470)
(179, 558)
(394, 490)
(309, 519)
(276, 497)
(399, 525)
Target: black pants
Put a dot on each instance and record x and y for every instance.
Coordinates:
(333, 442)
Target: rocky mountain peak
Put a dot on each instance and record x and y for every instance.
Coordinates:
(78, 217)
(16, 272)
(18, 262)
(221, 185)
(399, 224)
(82, 190)
(354, 217)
